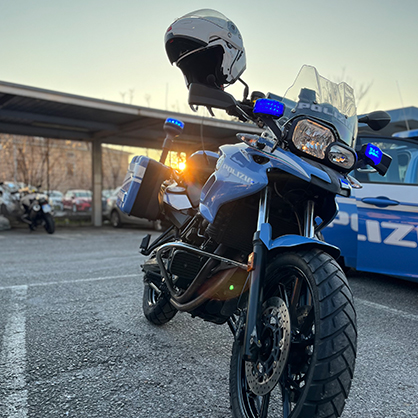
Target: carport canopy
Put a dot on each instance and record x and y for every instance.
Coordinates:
(31, 111)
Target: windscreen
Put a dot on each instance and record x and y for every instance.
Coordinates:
(316, 96)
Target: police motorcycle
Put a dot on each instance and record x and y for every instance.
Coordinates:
(36, 210)
(246, 251)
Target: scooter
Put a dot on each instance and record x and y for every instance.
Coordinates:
(36, 210)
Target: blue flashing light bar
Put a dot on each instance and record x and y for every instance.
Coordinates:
(175, 122)
(374, 153)
(269, 107)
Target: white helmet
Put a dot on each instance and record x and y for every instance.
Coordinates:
(207, 47)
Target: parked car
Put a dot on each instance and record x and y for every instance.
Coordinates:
(377, 227)
(118, 218)
(55, 198)
(77, 200)
(106, 193)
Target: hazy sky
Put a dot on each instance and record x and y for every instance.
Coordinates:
(102, 48)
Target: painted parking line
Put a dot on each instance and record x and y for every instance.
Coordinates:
(54, 283)
(387, 309)
(13, 358)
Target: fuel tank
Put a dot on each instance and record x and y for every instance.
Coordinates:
(242, 171)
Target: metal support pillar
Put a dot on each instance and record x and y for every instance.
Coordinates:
(97, 183)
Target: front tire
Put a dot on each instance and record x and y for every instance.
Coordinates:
(316, 379)
(49, 223)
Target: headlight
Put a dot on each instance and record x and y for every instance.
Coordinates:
(312, 138)
(341, 156)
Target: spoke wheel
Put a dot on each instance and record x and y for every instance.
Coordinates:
(317, 366)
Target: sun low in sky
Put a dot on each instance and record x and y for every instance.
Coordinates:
(115, 50)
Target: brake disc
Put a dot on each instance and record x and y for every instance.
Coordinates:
(263, 374)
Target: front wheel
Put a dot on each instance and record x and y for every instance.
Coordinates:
(49, 223)
(308, 343)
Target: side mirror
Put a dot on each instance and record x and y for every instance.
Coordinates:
(202, 95)
(376, 120)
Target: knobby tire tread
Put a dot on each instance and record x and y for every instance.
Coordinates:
(337, 384)
(335, 347)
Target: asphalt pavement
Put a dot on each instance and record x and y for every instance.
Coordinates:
(74, 341)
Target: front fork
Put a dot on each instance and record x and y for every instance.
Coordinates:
(253, 329)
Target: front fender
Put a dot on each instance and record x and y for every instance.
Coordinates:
(294, 242)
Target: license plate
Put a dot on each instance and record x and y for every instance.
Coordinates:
(46, 208)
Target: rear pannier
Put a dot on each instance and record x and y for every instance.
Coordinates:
(138, 195)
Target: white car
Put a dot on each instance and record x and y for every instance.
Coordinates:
(55, 198)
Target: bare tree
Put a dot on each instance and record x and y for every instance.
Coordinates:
(8, 167)
(131, 95)
(361, 90)
(115, 162)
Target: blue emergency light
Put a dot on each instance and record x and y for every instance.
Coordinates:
(269, 107)
(374, 153)
(175, 122)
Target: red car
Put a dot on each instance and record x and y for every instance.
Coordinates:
(77, 200)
